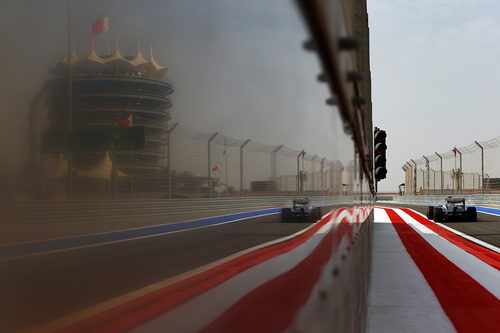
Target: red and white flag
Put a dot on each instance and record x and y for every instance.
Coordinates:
(454, 151)
(127, 122)
(101, 25)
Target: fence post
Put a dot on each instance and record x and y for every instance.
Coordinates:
(168, 159)
(313, 173)
(427, 162)
(414, 178)
(209, 166)
(241, 164)
(323, 175)
(482, 166)
(442, 180)
(461, 175)
(274, 163)
(408, 178)
(298, 172)
(423, 178)
(226, 170)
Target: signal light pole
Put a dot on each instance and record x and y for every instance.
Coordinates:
(380, 160)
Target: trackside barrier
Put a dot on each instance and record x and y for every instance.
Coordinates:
(488, 199)
(173, 209)
(316, 281)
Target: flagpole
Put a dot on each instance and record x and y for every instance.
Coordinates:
(70, 106)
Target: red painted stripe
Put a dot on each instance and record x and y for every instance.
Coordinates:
(273, 306)
(145, 308)
(470, 306)
(490, 257)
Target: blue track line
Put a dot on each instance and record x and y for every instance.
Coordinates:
(78, 241)
(488, 210)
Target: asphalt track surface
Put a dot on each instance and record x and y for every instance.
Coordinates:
(43, 288)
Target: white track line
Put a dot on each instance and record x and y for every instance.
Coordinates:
(471, 238)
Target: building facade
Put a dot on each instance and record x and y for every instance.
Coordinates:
(111, 92)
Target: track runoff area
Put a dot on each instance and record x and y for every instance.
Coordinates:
(428, 277)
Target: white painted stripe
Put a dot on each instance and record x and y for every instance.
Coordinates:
(213, 303)
(316, 308)
(401, 300)
(473, 239)
(480, 271)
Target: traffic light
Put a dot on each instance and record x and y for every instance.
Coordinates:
(379, 148)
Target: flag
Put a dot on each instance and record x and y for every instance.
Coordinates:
(216, 168)
(101, 25)
(303, 154)
(127, 122)
(454, 151)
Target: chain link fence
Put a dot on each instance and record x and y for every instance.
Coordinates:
(462, 170)
(200, 164)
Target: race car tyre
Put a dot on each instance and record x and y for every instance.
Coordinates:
(472, 214)
(315, 214)
(319, 213)
(438, 214)
(286, 215)
(430, 212)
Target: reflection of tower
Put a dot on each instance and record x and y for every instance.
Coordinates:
(114, 91)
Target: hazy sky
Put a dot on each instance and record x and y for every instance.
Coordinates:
(435, 76)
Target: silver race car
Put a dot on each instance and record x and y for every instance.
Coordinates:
(302, 210)
(453, 209)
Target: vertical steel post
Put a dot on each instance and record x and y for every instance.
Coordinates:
(482, 166)
(442, 180)
(423, 178)
(241, 164)
(274, 163)
(414, 178)
(460, 174)
(323, 178)
(209, 166)
(70, 108)
(298, 172)
(169, 181)
(226, 170)
(313, 173)
(427, 162)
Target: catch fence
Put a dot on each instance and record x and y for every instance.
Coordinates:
(462, 170)
(200, 164)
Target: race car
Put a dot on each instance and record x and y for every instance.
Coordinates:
(302, 210)
(453, 209)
